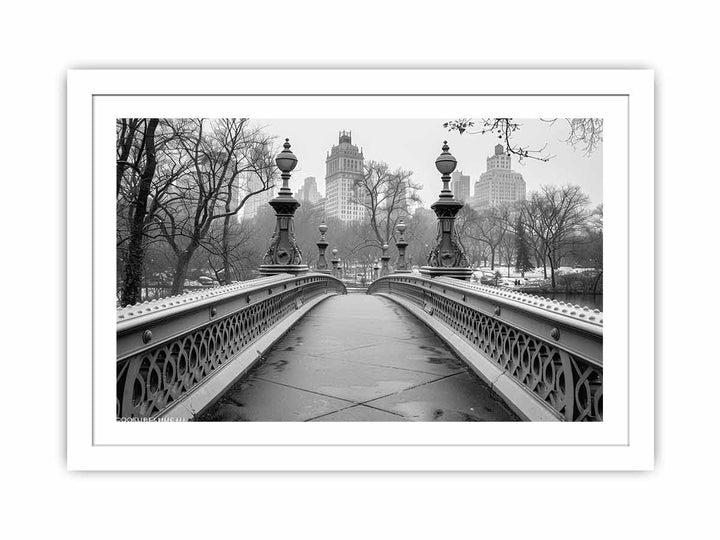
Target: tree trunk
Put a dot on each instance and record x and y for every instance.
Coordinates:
(181, 268)
(125, 147)
(226, 250)
(132, 283)
(226, 235)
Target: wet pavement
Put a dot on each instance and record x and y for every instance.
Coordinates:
(360, 358)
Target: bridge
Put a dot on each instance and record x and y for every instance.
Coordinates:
(294, 345)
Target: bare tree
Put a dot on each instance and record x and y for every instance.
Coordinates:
(260, 164)
(144, 164)
(586, 133)
(556, 215)
(487, 226)
(136, 235)
(522, 257)
(386, 195)
(233, 248)
(508, 249)
(220, 154)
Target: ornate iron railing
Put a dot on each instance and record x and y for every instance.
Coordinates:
(167, 347)
(553, 349)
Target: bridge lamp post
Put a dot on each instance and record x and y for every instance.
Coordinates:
(322, 265)
(401, 267)
(335, 261)
(385, 261)
(446, 258)
(283, 255)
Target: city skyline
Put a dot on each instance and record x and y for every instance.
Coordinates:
(415, 143)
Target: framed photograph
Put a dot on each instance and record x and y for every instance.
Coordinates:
(368, 270)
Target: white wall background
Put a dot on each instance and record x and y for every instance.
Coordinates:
(41, 40)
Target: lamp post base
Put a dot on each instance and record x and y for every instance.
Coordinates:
(273, 269)
(456, 272)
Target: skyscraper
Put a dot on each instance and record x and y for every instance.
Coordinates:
(499, 184)
(309, 191)
(344, 166)
(460, 185)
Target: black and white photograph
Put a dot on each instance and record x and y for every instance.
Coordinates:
(359, 269)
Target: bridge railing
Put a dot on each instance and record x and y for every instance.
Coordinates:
(548, 351)
(167, 348)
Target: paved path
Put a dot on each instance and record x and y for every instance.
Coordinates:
(360, 358)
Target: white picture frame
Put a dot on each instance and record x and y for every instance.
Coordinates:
(623, 441)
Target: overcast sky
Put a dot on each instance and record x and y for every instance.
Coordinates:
(414, 145)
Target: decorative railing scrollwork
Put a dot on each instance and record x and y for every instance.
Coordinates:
(169, 346)
(552, 349)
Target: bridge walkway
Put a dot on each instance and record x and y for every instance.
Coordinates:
(359, 358)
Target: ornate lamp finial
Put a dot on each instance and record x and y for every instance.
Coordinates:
(446, 163)
(286, 162)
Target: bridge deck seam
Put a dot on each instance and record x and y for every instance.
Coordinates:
(411, 388)
(306, 390)
(358, 405)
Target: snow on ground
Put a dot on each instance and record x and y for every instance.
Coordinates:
(510, 275)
